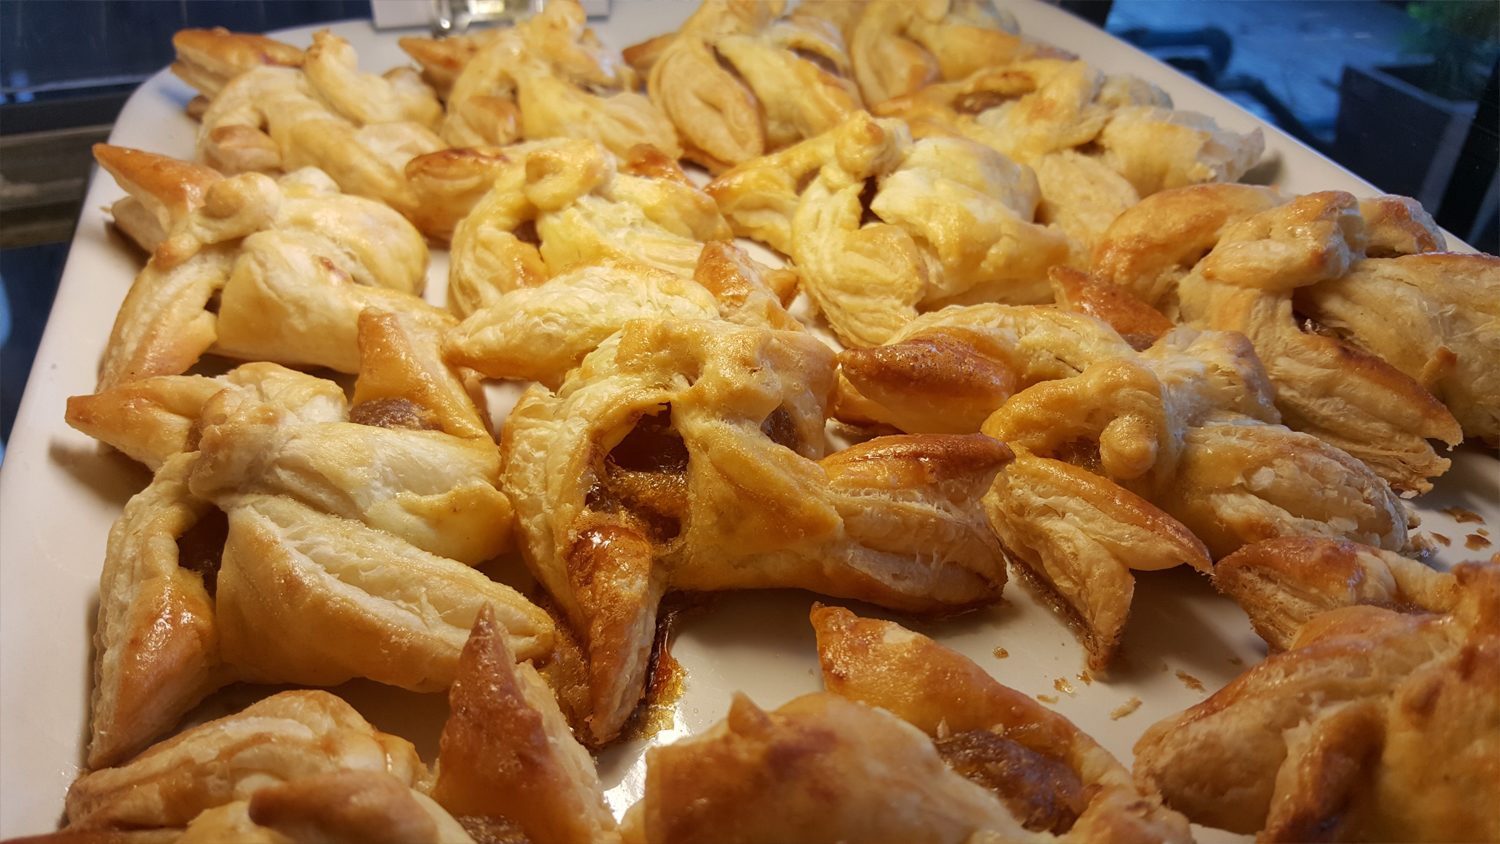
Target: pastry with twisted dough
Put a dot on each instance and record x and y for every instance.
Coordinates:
(1347, 397)
(879, 226)
(690, 455)
(1373, 725)
(1434, 316)
(739, 79)
(563, 203)
(292, 262)
(1245, 259)
(1051, 776)
(898, 47)
(1283, 583)
(1097, 143)
(540, 333)
(546, 77)
(359, 128)
(346, 525)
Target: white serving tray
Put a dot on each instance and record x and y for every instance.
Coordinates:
(60, 492)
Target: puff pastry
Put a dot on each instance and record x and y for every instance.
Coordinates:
(1245, 259)
(1373, 726)
(507, 753)
(1283, 583)
(156, 641)
(1098, 143)
(952, 222)
(541, 333)
(684, 454)
(259, 269)
(546, 77)
(359, 128)
(563, 203)
(283, 737)
(1051, 776)
(740, 79)
(1434, 316)
(820, 769)
(898, 47)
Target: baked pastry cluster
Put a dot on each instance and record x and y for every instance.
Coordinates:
(1022, 315)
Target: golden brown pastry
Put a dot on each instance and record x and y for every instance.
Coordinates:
(1245, 259)
(1283, 583)
(686, 454)
(1050, 775)
(563, 203)
(1137, 323)
(283, 737)
(1191, 427)
(352, 807)
(1077, 536)
(546, 77)
(952, 223)
(739, 79)
(359, 128)
(948, 370)
(820, 769)
(156, 639)
(292, 263)
(1351, 399)
(507, 751)
(1434, 316)
(1373, 726)
(208, 58)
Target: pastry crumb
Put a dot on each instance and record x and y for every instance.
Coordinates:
(1086, 678)
(1062, 685)
(1001, 653)
(1463, 514)
(1048, 699)
(1125, 708)
(1190, 681)
(1442, 540)
(1474, 542)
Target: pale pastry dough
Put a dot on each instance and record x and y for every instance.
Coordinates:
(951, 222)
(309, 598)
(1050, 775)
(292, 264)
(684, 454)
(546, 77)
(359, 128)
(153, 419)
(563, 203)
(740, 79)
(1373, 726)
(819, 770)
(1283, 583)
(1098, 143)
(1435, 317)
(507, 752)
(898, 47)
(541, 333)
(283, 737)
